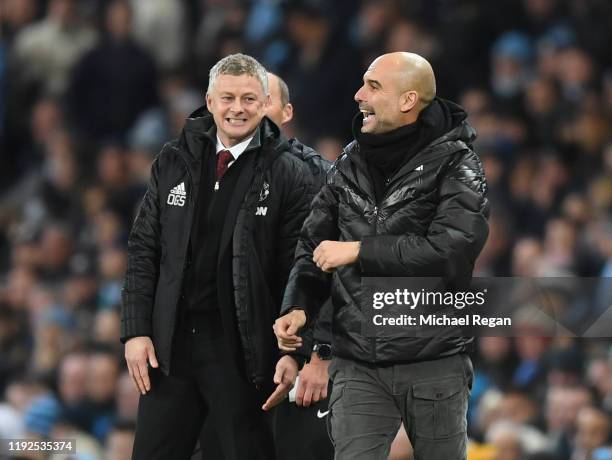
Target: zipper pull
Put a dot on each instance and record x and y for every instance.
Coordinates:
(216, 186)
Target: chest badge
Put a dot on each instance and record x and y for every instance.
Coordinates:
(265, 191)
(177, 195)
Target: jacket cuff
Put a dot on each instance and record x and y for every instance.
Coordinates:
(300, 357)
(135, 327)
(298, 298)
(370, 255)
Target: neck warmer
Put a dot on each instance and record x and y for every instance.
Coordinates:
(386, 153)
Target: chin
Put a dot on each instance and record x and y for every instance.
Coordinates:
(239, 133)
(367, 129)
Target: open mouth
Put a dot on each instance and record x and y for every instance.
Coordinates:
(236, 121)
(368, 115)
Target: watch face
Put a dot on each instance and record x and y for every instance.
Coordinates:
(324, 351)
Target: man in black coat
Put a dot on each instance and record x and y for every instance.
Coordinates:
(299, 424)
(208, 259)
(407, 198)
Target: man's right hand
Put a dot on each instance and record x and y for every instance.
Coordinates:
(137, 351)
(314, 378)
(286, 329)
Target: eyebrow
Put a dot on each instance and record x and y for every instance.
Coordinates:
(227, 93)
(373, 82)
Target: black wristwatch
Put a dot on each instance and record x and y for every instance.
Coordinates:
(323, 351)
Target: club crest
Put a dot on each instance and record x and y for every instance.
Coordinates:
(265, 191)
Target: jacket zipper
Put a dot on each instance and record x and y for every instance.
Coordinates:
(373, 339)
(251, 364)
(375, 225)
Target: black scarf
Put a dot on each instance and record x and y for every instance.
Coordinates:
(386, 153)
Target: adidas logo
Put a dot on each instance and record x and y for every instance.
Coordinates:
(419, 168)
(179, 189)
(177, 195)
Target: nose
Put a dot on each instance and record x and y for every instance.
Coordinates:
(359, 96)
(237, 105)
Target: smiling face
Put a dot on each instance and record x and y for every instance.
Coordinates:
(396, 87)
(237, 103)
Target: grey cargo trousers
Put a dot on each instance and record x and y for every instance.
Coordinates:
(369, 402)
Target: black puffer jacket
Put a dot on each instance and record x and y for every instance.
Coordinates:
(319, 167)
(262, 224)
(431, 221)
(317, 164)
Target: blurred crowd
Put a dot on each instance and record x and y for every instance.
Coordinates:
(90, 90)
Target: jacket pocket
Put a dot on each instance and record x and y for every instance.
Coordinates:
(440, 407)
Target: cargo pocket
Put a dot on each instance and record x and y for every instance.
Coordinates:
(440, 408)
(334, 401)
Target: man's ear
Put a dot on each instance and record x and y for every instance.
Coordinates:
(208, 101)
(408, 101)
(287, 113)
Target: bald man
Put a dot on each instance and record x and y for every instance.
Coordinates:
(407, 198)
(299, 428)
(280, 111)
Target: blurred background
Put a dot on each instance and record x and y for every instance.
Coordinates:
(90, 90)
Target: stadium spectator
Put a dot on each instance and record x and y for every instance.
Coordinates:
(113, 83)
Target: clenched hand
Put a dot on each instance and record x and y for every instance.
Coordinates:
(286, 328)
(332, 254)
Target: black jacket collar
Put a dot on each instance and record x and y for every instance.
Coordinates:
(353, 166)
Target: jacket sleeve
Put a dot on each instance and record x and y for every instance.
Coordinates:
(308, 286)
(323, 326)
(142, 266)
(454, 238)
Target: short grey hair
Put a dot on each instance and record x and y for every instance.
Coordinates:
(239, 64)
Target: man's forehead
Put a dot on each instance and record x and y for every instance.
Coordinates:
(382, 73)
(386, 63)
(237, 83)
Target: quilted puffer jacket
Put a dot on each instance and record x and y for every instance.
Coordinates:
(431, 221)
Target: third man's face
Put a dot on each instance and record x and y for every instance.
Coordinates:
(237, 103)
(276, 111)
